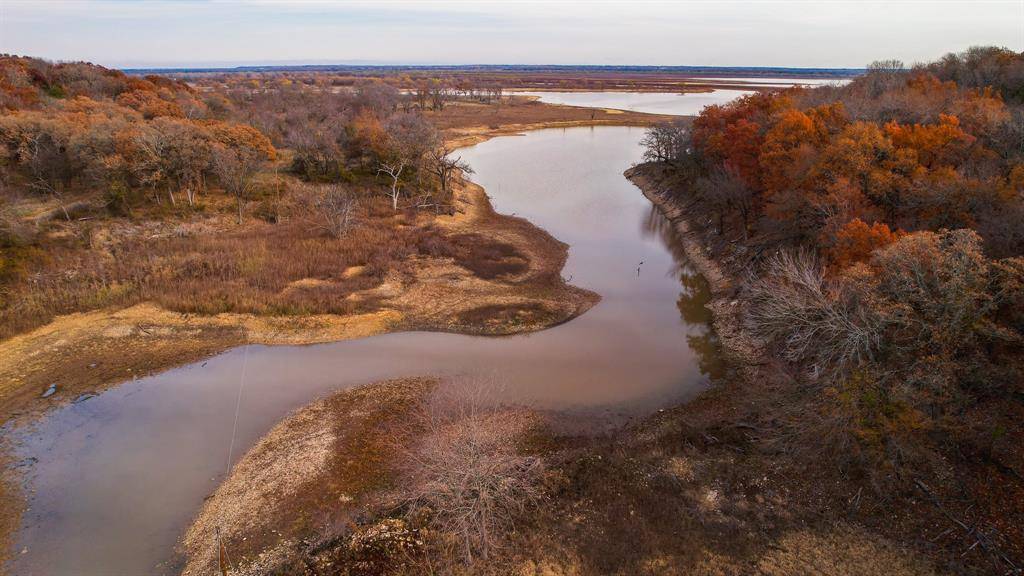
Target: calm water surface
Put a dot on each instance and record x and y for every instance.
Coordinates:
(689, 104)
(774, 82)
(120, 476)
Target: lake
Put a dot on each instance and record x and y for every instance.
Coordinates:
(120, 476)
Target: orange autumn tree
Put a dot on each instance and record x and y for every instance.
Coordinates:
(910, 328)
(910, 150)
(150, 104)
(731, 135)
(792, 138)
(87, 128)
(857, 240)
(942, 144)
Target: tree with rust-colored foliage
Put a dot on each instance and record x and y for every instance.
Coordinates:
(856, 241)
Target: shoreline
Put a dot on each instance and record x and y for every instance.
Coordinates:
(143, 340)
(90, 352)
(747, 403)
(472, 137)
(780, 528)
(739, 350)
(412, 306)
(160, 330)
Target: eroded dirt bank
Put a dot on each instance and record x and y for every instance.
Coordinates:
(742, 352)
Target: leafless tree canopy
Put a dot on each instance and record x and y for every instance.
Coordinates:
(237, 172)
(332, 206)
(467, 473)
(666, 142)
(816, 321)
(444, 167)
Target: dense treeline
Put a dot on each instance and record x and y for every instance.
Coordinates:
(982, 67)
(885, 222)
(342, 135)
(78, 126)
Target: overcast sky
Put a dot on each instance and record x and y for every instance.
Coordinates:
(126, 33)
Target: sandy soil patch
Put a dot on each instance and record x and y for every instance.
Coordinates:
(308, 475)
(466, 124)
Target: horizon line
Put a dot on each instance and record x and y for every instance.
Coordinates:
(841, 70)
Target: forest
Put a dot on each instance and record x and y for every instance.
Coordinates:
(880, 230)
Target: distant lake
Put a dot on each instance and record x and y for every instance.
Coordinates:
(762, 81)
(689, 104)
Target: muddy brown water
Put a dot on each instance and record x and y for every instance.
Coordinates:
(117, 478)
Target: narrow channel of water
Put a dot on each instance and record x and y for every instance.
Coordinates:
(119, 477)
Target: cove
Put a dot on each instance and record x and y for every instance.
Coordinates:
(118, 477)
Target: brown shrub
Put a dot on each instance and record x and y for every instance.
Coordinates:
(467, 474)
(486, 258)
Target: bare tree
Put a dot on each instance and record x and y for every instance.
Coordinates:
(422, 94)
(440, 93)
(185, 157)
(409, 139)
(726, 193)
(466, 471)
(884, 75)
(393, 168)
(335, 207)
(378, 97)
(236, 170)
(444, 166)
(817, 322)
(666, 142)
(48, 165)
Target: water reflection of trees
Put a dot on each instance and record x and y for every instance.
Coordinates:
(693, 298)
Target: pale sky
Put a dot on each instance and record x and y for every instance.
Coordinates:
(124, 33)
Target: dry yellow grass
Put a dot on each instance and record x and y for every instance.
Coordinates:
(85, 352)
(842, 551)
